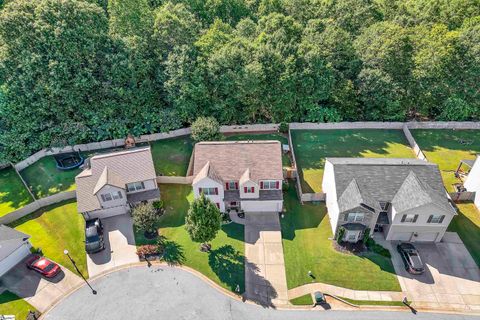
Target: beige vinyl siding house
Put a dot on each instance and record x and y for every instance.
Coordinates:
(404, 199)
(111, 183)
(241, 175)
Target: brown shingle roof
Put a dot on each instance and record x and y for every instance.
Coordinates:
(230, 159)
(128, 166)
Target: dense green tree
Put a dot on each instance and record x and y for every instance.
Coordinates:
(205, 129)
(203, 220)
(145, 217)
(130, 18)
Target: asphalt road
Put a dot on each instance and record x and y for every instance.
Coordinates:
(172, 293)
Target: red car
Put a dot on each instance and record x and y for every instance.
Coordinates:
(42, 265)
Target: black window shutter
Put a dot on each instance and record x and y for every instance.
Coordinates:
(430, 219)
(404, 217)
(345, 217)
(415, 218)
(441, 219)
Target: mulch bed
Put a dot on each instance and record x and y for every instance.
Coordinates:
(350, 248)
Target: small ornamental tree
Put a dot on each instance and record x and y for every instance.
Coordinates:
(205, 129)
(341, 233)
(145, 217)
(203, 220)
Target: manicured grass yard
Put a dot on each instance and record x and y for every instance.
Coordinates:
(306, 231)
(224, 264)
(13, 194)
(313, 146)
(263, 136)
(44, 179)
(467, 225)
(305, 300)
(54, 229)
(374, 303)
(171, 156)
(11, 304)
(444, 148)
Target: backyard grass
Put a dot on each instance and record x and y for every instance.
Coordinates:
(444, 147)
(54, 229)
(305, 300)
(224, 264)
(44, 179)
(11, 304)
(263, 136)
(467, 225)
(313, 146)
(171, 156)
(306, 231)
(13, 194)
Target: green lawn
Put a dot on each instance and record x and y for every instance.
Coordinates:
(224, 264)
(444, 148)
(374, 303)
(13, 194)
(11, 304)
(313, 146)
(44, 179)
(305, 300)
(263, 136)
(171, 156)
(54, 229)
(467, 225)
(306, 231)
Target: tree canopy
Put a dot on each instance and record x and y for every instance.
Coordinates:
(75, 71)
(203, 220)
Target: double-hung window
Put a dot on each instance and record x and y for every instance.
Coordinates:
(269, 184)
(209, 191)
(355, 217)
(135, 186)
(111, 196)
(436, 218)
(231, 185)
(249, 189)
(412, 218)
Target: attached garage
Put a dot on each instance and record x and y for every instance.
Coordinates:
(262, 206)
(401, 236)
(425, 237)
(14, 246)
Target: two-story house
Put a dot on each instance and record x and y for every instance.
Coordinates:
(472, 182)
(242, 175)
(405, 199)
(111, 183)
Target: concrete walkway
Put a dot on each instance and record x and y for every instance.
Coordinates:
(265, 279)
(345, 293)
(234, 217)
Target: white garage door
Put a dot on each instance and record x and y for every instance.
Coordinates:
(426, 236)
(261, 206)
(14, 258)
(402, 236)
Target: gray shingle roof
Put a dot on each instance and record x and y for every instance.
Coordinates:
(231, 159)
(406, 182)
(127, 166)
(7, 234)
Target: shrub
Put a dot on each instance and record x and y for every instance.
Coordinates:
(205, 129)
(341, 233)
(148, 250)
(145, 217)
(158, 204)
(283, 127)
(366, 235)
(375, 247)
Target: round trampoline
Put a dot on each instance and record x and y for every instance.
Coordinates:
(68, 161)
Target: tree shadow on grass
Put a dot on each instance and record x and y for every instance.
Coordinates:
(39, 213)
(173, 253)
(228, 265)
(234, 231)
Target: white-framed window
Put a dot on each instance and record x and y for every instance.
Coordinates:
(355, 217)
(249, 189)
(209, 191)
(436, 218)
(232, 185)
(269, 184)
(135, 186)
(409, 217)
(111, 196)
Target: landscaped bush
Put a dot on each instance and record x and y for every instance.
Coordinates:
(341, 233)
(145, 217)
(375, 247)
(148, 250)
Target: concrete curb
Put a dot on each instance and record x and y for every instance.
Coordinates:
(238, 297)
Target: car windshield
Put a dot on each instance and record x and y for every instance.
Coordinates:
(93, 238)
(415, 259)
(49, 267)
(91, 232)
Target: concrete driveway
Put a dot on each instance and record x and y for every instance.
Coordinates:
(451, 280)
(265, 279)
(120, 246)
(37, 290)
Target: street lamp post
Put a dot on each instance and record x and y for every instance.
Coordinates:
(76, 268)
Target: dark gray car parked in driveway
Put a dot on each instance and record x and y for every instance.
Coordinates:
(94, 241)
(411, 258)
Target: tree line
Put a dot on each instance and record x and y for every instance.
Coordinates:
(74, 71)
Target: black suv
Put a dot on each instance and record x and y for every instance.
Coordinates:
(94, 236)
(411, 258)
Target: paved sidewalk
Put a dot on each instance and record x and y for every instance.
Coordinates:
(265, 279)
(234, 217)
(345, 293)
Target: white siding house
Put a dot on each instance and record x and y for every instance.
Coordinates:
(241, 175)
(472, 183)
